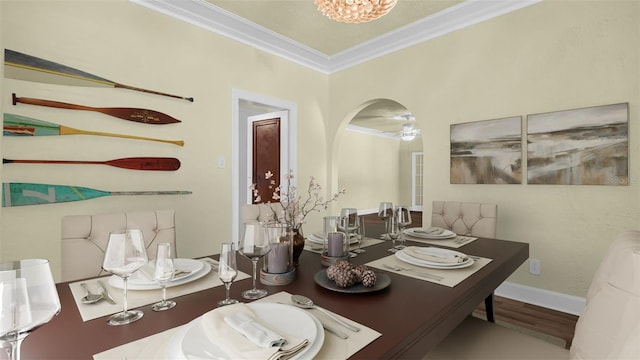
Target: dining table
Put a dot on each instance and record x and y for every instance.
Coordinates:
(412, 315)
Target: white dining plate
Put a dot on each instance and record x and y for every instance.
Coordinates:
(401, 255)
(202, 267)
(191, 342)
(419, 233)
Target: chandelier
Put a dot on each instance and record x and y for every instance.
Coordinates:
(354, 11)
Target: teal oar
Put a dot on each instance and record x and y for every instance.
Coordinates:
(30, 68)
(21, 194)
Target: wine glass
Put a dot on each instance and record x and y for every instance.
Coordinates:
(348, 224)
(394, 232)
(254, 245)
(162, 274)
(28, 299)
(360, 234)
(227, 270)
(125, 254)
(385, 212)
(403, 217)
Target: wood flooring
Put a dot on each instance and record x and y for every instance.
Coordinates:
(527, 316)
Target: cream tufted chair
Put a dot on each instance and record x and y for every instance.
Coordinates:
(466, 218)
(85, 237)
(252, 213)
(608, 328)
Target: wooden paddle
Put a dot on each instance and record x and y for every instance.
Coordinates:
(132, 163)
(131, 114)
(30, 68)
(16, 125)
(22, 194)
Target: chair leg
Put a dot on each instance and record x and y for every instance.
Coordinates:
(488, 305)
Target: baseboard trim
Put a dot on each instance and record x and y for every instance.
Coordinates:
(548, 299)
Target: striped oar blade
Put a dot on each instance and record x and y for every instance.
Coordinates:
(26, 67)
(22, 194)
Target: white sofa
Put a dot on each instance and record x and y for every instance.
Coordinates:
(608, 328)
(85, 237)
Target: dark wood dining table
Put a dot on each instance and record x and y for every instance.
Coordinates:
(412, 315)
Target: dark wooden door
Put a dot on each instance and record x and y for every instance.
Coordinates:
(266, 157)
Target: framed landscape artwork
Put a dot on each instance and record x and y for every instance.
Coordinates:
(487, 152)
(588, 146)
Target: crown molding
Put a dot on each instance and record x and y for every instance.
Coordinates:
(215, 19)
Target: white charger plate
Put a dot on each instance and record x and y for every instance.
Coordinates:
(202, 267)
(415, 232)
(401, 255)
(191, 342)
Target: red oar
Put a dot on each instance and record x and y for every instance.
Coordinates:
(131, 114)
(132, 163)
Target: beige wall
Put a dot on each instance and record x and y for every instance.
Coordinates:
(128, 43)
(554, 55)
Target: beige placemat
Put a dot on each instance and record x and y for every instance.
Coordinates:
(450, 277)
(317, 248)
(333, 348)
(455, 242)
(137, 298)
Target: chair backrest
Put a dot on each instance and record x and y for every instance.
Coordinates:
(251, 213)
(466, 218)
(609, 326)
(85, 237)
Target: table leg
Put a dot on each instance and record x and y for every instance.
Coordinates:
(488, 305)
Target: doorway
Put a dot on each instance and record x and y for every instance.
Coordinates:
(245, 104)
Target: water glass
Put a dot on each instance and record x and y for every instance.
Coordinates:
(403, 217)
(394, 233)
(254, 244)
(360, 234)
(385, 212)
(162, 274)
(227, 270)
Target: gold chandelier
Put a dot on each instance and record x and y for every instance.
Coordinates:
(354, 11)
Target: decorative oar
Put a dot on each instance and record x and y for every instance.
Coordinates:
(30, 68)
(132, 163)
(131, 114)
(16, 125)
(21, 194)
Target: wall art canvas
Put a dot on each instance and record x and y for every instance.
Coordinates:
(588, 146)
(487, 152)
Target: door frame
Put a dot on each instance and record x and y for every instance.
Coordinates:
(238, 145)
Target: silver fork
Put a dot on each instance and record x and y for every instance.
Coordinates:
(413, 271)
(288, 353)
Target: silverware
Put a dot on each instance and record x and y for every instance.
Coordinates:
(105, 293)
(306, 303)
(413, 271)
(289, 353)
(330, 329)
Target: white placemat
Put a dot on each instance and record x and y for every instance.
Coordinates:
(317, 248)
(137, 298)
(455, 242)
(333, 348)
(446, 277)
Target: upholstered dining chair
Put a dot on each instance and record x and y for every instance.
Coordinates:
(85, 237)
(608, 328)
(471, 219)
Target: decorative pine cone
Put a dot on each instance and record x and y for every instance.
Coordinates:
(345, 278)
(339, 265)
(359, 270)
(368, 278)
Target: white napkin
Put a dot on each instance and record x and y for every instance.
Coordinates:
(433, 230)
(232, 342)
(435, 255)
(254, 331)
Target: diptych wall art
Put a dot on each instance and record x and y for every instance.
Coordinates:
(487, 152)
(586, 146)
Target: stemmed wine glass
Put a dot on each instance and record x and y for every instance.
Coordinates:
(385, 212)
(360, 234)
(349, 224)
(403, 217)
(227, 271)
(162, 274)
(28, 299)
(125, 254)
(394, 232)
(254, 245)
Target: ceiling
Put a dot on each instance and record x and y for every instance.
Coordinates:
(297, 31)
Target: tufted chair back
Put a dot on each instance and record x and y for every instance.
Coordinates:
(465, 218)
(252, 213)
(85, 237)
